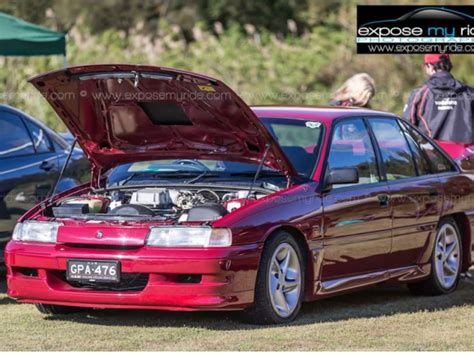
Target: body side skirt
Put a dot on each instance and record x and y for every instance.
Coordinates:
(341, 285)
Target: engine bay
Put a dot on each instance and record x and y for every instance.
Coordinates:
(155, 203)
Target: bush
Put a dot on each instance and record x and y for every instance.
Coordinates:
(260, 66)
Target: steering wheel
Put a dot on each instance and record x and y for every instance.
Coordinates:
(192, 163)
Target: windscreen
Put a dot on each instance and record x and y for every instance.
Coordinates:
(299, 139)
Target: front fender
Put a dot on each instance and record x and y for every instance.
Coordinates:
(297, 207)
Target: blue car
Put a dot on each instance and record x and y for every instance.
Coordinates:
(31, 158)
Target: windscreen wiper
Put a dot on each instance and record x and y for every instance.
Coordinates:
(128, 179)
(169, 174)
(206, 173)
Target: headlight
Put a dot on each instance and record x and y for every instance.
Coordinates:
(178, 236)
(33, 231)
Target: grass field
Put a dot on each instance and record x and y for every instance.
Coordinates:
(384, 317)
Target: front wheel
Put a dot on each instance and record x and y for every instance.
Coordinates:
(445, 262)
(280, 282)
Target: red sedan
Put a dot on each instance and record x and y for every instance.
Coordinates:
(198, 202)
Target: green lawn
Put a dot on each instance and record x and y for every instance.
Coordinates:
(380, 318)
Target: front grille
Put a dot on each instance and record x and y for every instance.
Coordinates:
(128, 282)
(103, 246)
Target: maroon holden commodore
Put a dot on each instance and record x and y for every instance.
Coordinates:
(199, 202)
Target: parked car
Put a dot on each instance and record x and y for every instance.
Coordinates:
(31, 157)
(462, 153)
(199, 202)
(68, 137)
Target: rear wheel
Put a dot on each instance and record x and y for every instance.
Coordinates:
(54, 310)
(280, 282)
(445, 262)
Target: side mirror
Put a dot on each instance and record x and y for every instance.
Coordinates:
(339, 176)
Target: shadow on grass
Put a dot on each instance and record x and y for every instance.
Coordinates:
(377, 301)
(6, 300)
(3, 285)
(3, 290)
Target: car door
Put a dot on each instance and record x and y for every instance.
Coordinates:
(28, 169)
(357, 217)
(415, 191)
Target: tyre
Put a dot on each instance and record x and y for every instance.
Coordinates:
(280, 282)
(55, 310)
(446, 262)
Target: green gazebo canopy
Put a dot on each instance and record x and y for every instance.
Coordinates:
(21, 38)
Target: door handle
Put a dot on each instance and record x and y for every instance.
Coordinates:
(384, 200)
(46, 165)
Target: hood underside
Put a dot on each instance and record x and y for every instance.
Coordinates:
(129, 113)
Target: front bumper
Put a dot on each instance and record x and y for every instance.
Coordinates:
(36, 274)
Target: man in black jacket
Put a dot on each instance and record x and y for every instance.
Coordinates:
(443, 106)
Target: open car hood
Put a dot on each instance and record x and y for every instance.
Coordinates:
(128, 113)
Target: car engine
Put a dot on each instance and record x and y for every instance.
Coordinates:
(155, 203)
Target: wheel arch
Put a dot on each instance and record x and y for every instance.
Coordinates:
(300, 238)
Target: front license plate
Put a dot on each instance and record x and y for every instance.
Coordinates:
(93, 270)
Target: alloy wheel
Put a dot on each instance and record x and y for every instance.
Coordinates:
(284, 280)
(447, 256)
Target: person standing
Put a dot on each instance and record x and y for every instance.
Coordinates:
(442, 107)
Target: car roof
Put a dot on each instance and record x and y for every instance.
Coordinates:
(324, 114)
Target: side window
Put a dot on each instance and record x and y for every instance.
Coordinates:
(40, 138)
(396, 154)
(351, 147)
(14, 138)
(439, 163)
(422, 164)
